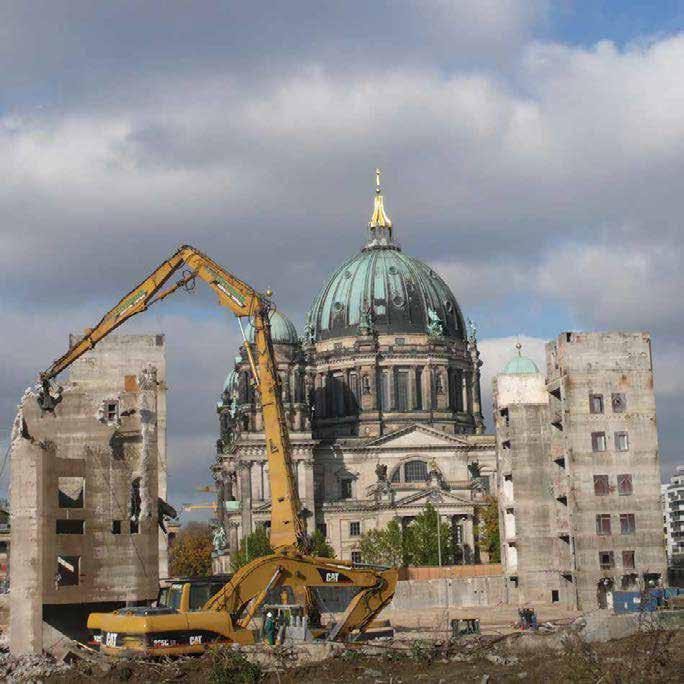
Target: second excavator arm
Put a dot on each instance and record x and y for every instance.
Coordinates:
(287, 529)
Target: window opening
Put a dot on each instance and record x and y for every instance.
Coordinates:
(68, 569)
(598, 441)
(619, 401)
(603, 523)
(625, 487)
(70, 526)
(628, 562)
(415, 471)
(355, 556)
(606, 560)
(116, 526)
(601, 486)
(199, 595)
(346, 489)
(135, 506)
(555, 598)
(596, 403)
(627, 523)
(621, 441)
(70, 492)
(402, 391)
(323, 529)
(384, 388)
(112, 411)
(419, 388)
(354, 529)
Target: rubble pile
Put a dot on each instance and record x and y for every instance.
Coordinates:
(30, 668)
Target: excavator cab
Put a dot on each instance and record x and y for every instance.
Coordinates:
(190, 593)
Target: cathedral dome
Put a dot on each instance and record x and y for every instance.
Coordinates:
(386, 289)
(231, 381)
(520, 364)
(283, 330)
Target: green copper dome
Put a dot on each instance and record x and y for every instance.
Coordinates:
(388, 290)
(520, 364)
(382, 289)
(283, 330)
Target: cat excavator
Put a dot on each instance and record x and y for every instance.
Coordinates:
(175, 627)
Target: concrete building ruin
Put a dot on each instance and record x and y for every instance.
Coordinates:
(85, 483)
(578, 470)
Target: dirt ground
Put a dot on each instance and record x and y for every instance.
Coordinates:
(656, 656)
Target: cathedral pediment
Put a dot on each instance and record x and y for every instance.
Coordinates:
(418, 436)
(434, 496)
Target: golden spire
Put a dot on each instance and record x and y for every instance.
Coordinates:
(379, 219)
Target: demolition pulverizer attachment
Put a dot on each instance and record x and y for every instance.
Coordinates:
(46, 399)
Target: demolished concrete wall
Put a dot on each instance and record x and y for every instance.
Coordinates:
(84, 488)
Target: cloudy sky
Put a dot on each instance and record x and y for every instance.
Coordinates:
(533, 152)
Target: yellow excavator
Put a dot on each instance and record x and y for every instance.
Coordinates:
(174, 626)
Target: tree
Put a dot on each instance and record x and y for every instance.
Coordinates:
(252, 546)
(490, 538)
(319, 546)
(384, 546)
(422, 544)
(190, 553)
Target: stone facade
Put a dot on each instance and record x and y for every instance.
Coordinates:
(578, 471)
(382, 397)
(85, 482)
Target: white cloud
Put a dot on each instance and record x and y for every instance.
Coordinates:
(557, 176)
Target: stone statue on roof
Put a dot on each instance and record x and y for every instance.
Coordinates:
(435, 326)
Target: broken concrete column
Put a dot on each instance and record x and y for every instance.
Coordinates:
(26, 570)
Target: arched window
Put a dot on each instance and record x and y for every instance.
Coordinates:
(415, 471)
(411, 471)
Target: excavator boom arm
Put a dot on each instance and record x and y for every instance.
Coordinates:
(287, 530)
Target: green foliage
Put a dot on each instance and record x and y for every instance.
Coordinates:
(384, 546)
(320, 546)
(418, 544)
(253, 546)
(190, 553)
(490, 539)
(230, 667)
(421, 543)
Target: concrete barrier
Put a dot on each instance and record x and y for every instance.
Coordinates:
(423, 572)
(449, 593)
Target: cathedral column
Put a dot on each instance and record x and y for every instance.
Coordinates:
(465, 404)
(245, 468)
(305, 483)
(392, 389)
(233, 546)
(267, 482)
(468, 540)
(347, 393)
(441, 387)
(256, 481)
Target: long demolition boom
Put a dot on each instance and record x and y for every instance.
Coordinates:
(287, 530)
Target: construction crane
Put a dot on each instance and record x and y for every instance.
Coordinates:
(177, 626)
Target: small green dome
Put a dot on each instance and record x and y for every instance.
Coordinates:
(283, 330)
(520, 364)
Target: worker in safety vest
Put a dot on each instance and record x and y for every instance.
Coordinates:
(270, 629)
